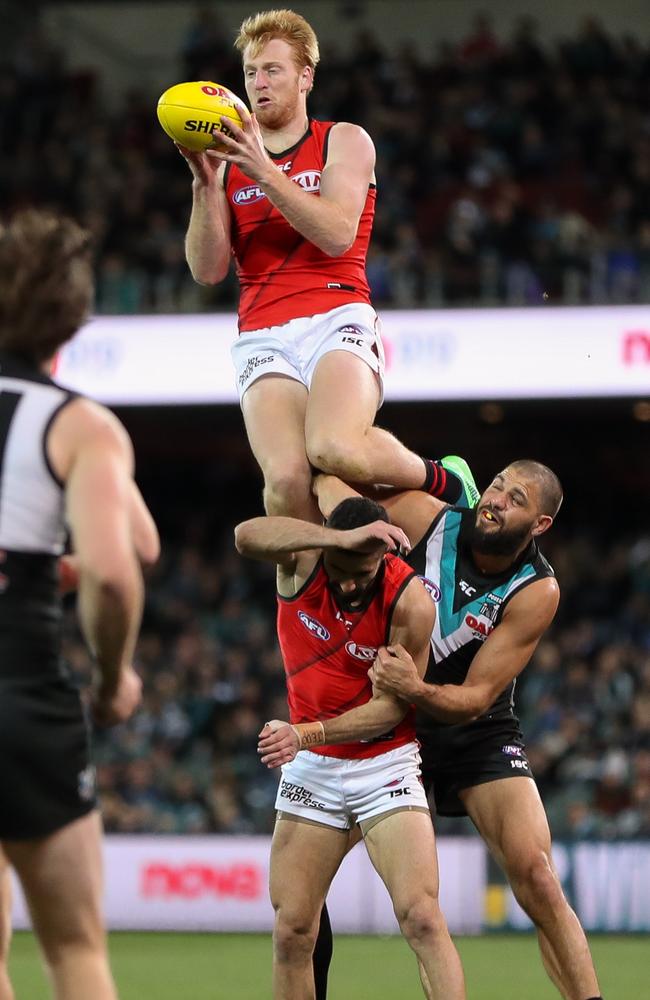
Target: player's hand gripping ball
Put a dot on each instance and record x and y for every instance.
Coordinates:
(191, 113)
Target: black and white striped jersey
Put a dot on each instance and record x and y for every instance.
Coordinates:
(32, 521)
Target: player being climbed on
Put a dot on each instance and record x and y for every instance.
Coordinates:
(341, 595)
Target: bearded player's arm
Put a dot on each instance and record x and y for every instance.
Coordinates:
(503, 656)
(330, 219)
(412, 624)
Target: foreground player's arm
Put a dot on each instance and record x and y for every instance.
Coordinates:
(92, 453)
(207, 242)
(501, 658)
(412, 624)
(328, 220)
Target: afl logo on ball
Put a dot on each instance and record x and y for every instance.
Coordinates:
(366, 653)
(313, 626)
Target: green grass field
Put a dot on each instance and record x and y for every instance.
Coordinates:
(237, 967)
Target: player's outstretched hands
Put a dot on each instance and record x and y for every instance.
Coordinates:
(278, 743)
(369, 537)
(395, 672)
(244, 146)
(112, 707)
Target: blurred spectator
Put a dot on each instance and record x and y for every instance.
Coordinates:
(509, 171)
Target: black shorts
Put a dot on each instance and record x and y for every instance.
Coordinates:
(46, 779)
(458, 757)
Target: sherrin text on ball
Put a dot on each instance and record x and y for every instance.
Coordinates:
(191, 113)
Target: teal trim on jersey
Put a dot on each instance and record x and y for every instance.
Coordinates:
(448, 619)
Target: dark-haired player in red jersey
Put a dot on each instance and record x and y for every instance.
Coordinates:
(293, 200)
(342, 595)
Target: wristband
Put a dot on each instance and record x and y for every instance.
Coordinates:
(310, 734)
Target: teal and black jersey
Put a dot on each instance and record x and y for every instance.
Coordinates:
(469, 605)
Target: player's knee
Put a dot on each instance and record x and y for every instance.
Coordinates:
(293, 938)
(421, 919)
(70, 938)
(536, 885)
(338, 455)
(286, 488)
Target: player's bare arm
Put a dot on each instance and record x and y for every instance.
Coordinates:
(330, 220)
(295, 546)
(207, 242)
(92, 454)
(412, 624)
(411, 510)
(501, 658)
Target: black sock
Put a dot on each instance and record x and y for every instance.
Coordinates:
(322, 954)
(440, 482)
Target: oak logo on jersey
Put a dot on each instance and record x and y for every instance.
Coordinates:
(481, 629)
(314, 626)
(431, 588)
(366, 653)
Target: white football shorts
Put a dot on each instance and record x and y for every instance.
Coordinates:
(339, 793)
(295, 348)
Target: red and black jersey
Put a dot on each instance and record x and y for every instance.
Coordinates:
(282, 275)
(327, 653)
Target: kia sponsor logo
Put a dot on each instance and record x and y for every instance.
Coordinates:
(367, 653)
(160, 880)
(309, 180)
(313, 626)
(636, 347)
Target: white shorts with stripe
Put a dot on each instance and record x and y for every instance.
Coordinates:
(340, 793)
(295, 348)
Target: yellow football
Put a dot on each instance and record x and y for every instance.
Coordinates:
(191, 113)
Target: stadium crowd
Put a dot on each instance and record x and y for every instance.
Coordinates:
(509, 171)
(212, 672)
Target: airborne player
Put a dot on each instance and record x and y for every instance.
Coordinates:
(293, 200)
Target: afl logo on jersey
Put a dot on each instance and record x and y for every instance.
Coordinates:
(313, 626)
(248, 195)
(366, 653)
(309, 180)
(432, 588)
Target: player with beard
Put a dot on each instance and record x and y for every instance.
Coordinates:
(350, 752)
(293, 200)
(495, 596)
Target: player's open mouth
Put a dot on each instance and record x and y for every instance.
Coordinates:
(487, 515)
